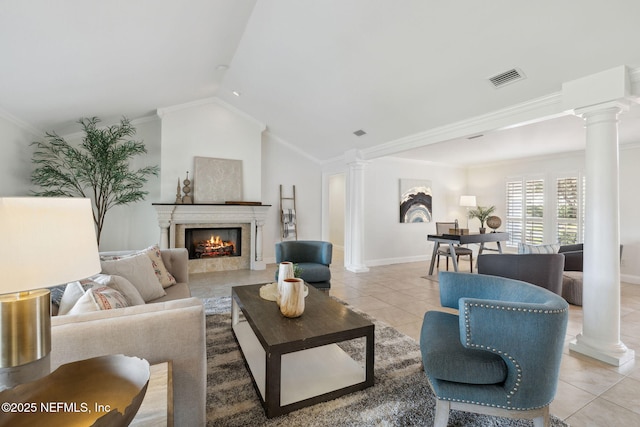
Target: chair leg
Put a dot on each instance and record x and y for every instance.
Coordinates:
(441, 418)
(448, 263)
(471, 263)
(543, 420)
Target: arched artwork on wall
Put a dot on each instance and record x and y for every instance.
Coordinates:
(415, 200)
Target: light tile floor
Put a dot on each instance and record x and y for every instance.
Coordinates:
(590, 393)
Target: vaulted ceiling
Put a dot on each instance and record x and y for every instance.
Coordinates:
(316, 71)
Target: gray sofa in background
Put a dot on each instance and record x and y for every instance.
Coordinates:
(171, 328)
(544, 270)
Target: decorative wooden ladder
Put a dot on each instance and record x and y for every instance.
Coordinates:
(288, 216)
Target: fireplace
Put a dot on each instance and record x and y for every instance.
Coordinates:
(213, 242)
(174, 220)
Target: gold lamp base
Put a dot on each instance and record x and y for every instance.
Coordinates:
(25, 337)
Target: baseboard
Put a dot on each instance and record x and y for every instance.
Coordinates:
(630, 278)
(400, 260)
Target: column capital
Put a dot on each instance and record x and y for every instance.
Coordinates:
(612, 107)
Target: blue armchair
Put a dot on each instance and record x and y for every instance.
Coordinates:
(312, 256)
(501, 354)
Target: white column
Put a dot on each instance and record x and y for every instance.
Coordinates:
(354, 230)
(259, 264)
(600, 337)
(165, 213)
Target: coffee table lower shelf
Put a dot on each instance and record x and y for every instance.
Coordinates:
(306, 374)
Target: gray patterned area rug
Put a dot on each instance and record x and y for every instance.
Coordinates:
(400, 397)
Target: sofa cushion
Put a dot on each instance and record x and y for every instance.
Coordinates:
(445, 358)
(138, 270)
(523, 248)
(177, 291)
(121, 285)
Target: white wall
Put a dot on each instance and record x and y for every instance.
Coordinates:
(15, 160)
(488, 183)
(209, 129)
(387, 240)
(281, 164)
(336, 200)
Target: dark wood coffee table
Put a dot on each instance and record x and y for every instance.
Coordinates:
(296, 362)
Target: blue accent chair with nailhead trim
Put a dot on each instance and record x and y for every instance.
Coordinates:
(313, 257)
(500, 355)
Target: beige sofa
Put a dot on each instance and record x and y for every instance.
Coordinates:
(169, 328)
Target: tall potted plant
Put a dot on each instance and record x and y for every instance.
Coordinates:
(99, 168)
(482, 214)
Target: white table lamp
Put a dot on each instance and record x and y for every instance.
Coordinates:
(468, 202)
(44, 242)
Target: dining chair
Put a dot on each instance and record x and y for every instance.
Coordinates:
(443, 228)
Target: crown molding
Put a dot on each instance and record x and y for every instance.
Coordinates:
(161, 112)
(542, 108)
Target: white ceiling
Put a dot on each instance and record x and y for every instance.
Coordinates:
(316, 71)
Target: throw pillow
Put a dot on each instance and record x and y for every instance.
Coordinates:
(72, 293)
(85, 304)
(106, 298)
(139, 271)
(538, 249)
(121, 285)
(166, 279)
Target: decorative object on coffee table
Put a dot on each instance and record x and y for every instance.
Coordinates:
(101, 391)
(291, 297)
(494, 222)
(285, 271)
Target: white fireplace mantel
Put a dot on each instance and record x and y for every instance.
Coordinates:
(169, 215)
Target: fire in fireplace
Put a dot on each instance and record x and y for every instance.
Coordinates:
(213, 242)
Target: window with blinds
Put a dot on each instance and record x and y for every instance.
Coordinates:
(525, 211)
(563, 216)
(514, 220)
(534, 208)
(567, 210)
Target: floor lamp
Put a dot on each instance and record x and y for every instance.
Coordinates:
(44, 242)
(468, 202)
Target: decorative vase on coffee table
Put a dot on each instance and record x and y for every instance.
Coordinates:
(285, 271)
(291, 297)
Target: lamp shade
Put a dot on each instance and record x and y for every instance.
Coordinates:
(46, 242)
(468, 201)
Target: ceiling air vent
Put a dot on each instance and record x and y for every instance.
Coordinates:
(507, 77)
(359, 132)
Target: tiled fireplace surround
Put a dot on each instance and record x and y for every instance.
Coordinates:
(174, 219)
